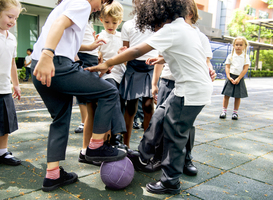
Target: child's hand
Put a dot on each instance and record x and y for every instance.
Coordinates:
(100, 57)
(212, 74)
(103, 68)
(155, 92)
(153, 61)
(17, 92)
(237, 81)
(44, 70)
(122, 49)
(231, 80)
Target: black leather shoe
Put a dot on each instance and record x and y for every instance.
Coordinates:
(159, 188)
(190, 169)
(9, 161)
(83, 160)
(144, 166)
(79, 129)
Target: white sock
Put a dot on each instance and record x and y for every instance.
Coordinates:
(83, 151)
(81, 125)
(3, 151)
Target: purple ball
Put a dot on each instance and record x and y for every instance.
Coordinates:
(118, 174)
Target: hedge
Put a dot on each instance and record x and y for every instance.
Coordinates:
(263, 73)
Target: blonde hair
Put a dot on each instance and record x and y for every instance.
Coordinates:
(245, 43)
(114, 10)
(193, 10)
(5, 4)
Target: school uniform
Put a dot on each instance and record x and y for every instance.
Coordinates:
(137, 80)
(8, 118)
(71, 80)
(182, 50)
(109, 50)
(28, 59)
(237, 63)
(166, 86)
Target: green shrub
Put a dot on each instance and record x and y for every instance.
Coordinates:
(22, 73)
(263, 73)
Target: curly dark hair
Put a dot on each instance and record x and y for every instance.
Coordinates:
(151, 14)
(107, 1)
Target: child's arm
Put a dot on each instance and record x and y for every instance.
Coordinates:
(228, 73)
(243, 73)
(45, 69)
(15, 81)
(94, 45)
(130, 54)
(157, 72)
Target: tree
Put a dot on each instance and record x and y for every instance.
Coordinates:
(270, 3)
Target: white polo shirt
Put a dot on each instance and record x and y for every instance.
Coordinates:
(28, 59)
(237, 63)
(110, 49)
(166, 72)
(130, 34)
(182, 49)
(88, 38)
(8, 47)
(78, 11)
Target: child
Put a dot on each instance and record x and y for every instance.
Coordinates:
(181, 47)
(167, 82)
(58, 78)
(237, 64)
(110, 16)
(137, 79)
(9, 12)
(27, 64)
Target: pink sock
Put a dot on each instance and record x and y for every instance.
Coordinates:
(53, 173)
(94, 144)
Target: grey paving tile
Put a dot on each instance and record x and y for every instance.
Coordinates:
(59, 194)
(203, 136)
(259, 169)
(91, 187)
(18, 180)
(258, 135)
(219, 157)
(243, 145)
(231, 186)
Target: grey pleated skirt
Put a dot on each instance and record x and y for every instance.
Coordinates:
(8, 118)
(236, 91)
(137, 81)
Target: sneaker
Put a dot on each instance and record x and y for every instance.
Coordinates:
(135, 125)
(65, 179)
(144, 166)
(223, 115)
(106, 153)
(83, 160)
(79, 129)
(234, 116)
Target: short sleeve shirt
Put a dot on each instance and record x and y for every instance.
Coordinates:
(237, 63)
(28, 59)
(8, 47)
(88, 38)
(71, 40)
(110, 49)
(182, 50)
(130, 34)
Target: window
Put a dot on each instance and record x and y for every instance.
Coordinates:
(263, 14)
(250, 11)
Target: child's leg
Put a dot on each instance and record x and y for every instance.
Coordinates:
(87, 132)
(148, 110)
(4, 141)
(225, 101)
(237, 102)
(83, 111)
(177, 124)
(130, 111)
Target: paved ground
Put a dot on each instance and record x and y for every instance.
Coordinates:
(234, 158)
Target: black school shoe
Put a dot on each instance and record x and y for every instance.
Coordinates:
(13, 161)
(65, 179)
(159, 188)
(83, 160)
(106, 153)
(234, 116)
(144, 166)
(189, 169)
